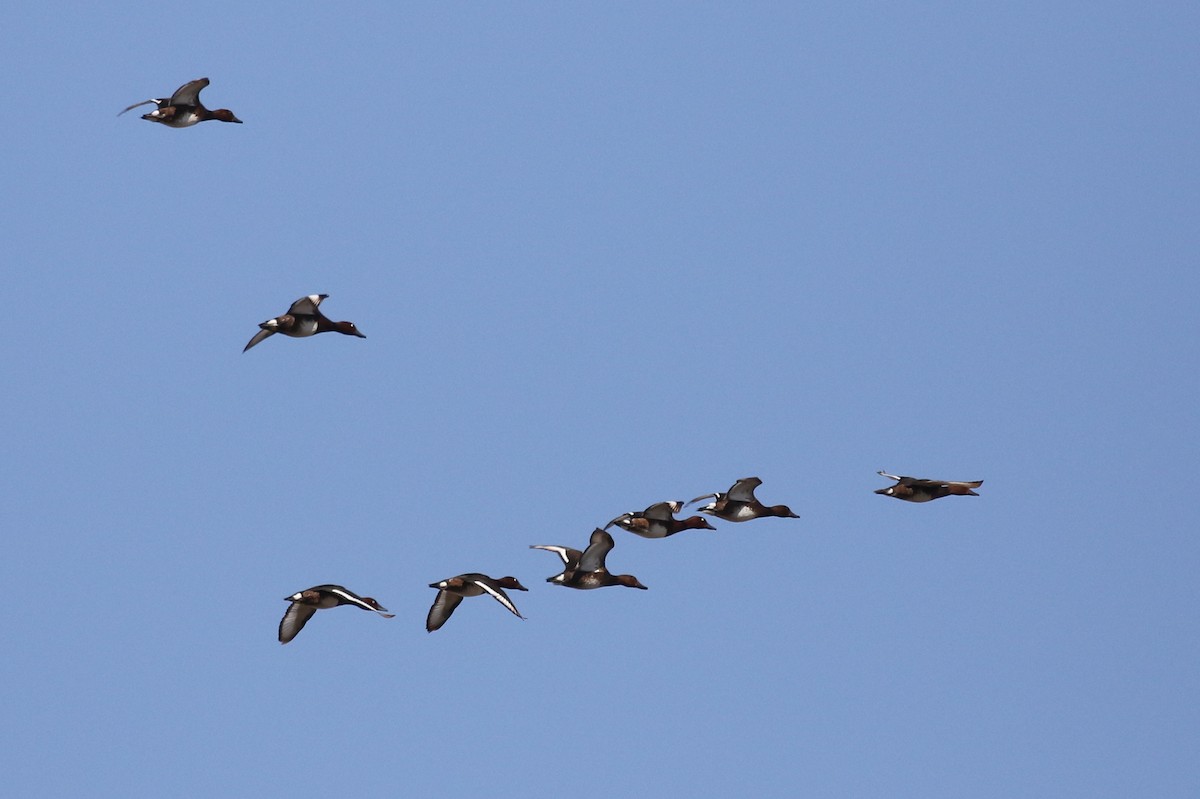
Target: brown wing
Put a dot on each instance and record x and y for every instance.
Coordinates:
(743, 489)
(601, 543)
(261, 335)
(662, 511)
(189, 93)
(306, 306)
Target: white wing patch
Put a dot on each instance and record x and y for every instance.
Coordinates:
(560, 551)
(621, 521)
(350, 598)
(499, 597)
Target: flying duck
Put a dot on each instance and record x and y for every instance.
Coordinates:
(658, 521)
(919, 489)
(321, 597)
(303, 319)
(739, 504)
(586, 570)
(452, 590)
(183, 108)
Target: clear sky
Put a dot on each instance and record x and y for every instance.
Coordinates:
(604, 254)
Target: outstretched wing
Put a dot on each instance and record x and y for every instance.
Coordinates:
(261, 335)
(662, 511)
(965, 483)
(294, 619)
(743, 489)
(442, 607)
(158, 102)
(568, 555)
(307, 306)
(189, 93)
(622, 520)
(499, 595)
(600, 545)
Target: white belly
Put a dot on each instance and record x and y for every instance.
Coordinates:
(302, 328)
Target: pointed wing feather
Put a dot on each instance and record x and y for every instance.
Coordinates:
(261, 335)
(158, 102)
(624, 517)
(965, 483)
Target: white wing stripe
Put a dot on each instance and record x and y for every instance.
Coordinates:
(499, 597)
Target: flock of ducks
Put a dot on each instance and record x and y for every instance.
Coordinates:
(588, 569)
(584, 570)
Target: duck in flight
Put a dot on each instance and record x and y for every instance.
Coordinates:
(658, 521)
(183, 108)
(586, 570)
(452, 590)
(321, 597)
(739, 504)
(920, 489)
(303, 319)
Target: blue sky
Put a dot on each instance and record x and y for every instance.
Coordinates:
(604, 255)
